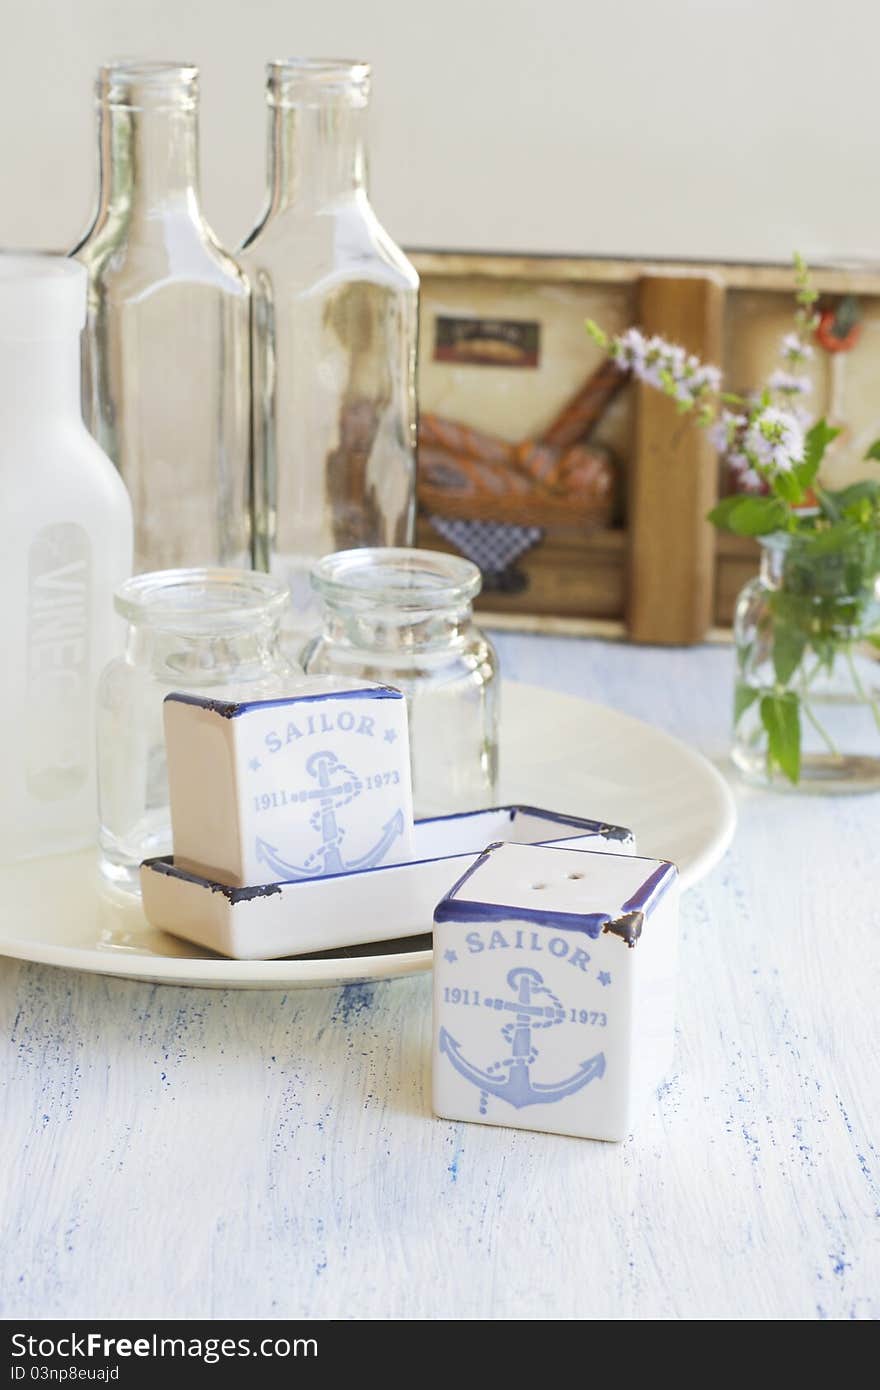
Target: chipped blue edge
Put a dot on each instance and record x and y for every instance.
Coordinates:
(606, 829)
(164, 864)
(454, 909)
(653, 888)
(230, 709)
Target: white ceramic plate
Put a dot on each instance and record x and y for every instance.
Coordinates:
(557, 752)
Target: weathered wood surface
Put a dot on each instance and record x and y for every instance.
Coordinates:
(189, 1153)
(569, 574)
(854, 279)
(673, 477)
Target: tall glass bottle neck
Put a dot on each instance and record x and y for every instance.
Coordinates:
(317, 131)
(148, 134)
(317, 154)
(149, 160)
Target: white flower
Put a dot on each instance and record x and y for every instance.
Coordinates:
(787, 384)
(726, 430)
(708, 378)
(661, 360)
(774, 440)
(665, 366)
(718, 436)
(795, 350)
(747, 479)
(629, 349)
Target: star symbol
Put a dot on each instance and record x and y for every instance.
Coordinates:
(450, 956)
(390, 735)
(604, 977)
(255, 764)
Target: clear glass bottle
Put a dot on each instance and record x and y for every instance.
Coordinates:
(806, 631)
(404, 618)
(65, 545)
(166, 380)
(216, 632)
(335, 323)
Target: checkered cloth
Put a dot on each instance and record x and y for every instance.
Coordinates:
(493, 545)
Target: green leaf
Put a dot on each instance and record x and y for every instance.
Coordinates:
(828, 504)
(749, 516)
(844, 497)
(781, 717)
(836, 538)
(788, 648)
(817, 441)
(788, 487)
(721, 511)
(743, 697)
(874, 451)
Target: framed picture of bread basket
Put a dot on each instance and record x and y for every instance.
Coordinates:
(579, 493)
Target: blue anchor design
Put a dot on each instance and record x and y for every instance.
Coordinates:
(331, 796)
(517, 1087)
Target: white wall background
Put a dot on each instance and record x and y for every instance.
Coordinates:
(723, 128)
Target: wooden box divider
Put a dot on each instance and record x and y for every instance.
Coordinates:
(673, 479)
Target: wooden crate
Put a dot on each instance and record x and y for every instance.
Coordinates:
(569, 575)
(659, 573)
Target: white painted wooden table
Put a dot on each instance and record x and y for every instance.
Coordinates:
(185, 1153)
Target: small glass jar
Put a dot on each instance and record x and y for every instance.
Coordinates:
(806, 633)
(404, 618)
(212, 631)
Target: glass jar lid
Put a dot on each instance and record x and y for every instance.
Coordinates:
(202, 602)
(388, 580)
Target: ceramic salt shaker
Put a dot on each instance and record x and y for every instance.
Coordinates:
(309, 785)
(554, 986)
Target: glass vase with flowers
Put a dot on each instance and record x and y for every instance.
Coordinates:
(806, 707)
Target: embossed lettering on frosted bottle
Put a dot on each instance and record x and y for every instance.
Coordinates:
(59, 752)
(65, 546)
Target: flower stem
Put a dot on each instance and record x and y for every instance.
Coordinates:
(859, 687)
(820, 730)
(810, 676)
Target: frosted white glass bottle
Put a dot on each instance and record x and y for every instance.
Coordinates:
(65, 545)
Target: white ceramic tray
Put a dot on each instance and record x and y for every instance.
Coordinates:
(556, 751)
(391, 901)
